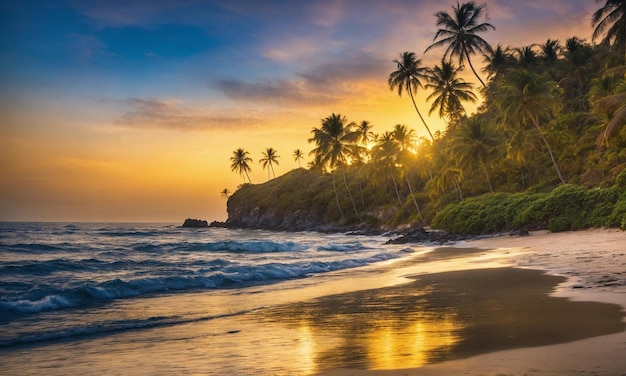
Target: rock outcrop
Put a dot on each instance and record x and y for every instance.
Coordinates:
(195, 223)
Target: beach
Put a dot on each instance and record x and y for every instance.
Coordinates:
(543, 304)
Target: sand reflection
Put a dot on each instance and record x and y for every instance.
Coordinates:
(387, 328)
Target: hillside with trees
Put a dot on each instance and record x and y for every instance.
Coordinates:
(545, 149)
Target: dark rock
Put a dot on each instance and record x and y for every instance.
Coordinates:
(421, 235)
(195, 223)
(217, 224)
(520, 232)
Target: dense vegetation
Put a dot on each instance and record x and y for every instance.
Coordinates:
(544, 149)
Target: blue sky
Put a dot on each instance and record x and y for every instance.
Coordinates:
(129, 110)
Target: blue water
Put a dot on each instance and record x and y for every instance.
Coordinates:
(57, 279)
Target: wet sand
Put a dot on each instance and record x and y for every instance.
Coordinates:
(511, 321)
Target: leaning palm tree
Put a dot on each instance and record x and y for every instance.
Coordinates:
(527, 98)
(409, 76)
(448, 91)
(225, 193)
(240, 162)
(298, 155)
(475, 142)
(270, 158)
(608, 96)
(460, 31)
(335, 142)
(610, 21)
(405, 139)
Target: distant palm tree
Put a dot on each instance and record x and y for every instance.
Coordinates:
(475, 143)
(270, 158)
(610, 21)
(526, 97)
(460, 33)
(448, 91)
(385, 153)
(298, 155)
(225, 193)
(335, 141)
(409, 76)
(240, 163)
(498, 60)
(550, 51)
(526, 56)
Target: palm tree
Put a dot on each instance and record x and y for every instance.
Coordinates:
(225, 193)
(608, 96)
(448, 91)
(498, 60)
(405, 138)
(408, 77)
(460, 33)
(385, 152)
(611, 18)
(550, 51)
(335, 141)
(526, 97)
(298, 155)
(240, 163)
(526, 56)
(270, 158)
(475, 142)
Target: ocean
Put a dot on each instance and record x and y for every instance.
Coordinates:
(65, 281)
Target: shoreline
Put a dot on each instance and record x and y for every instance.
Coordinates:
(597, 354)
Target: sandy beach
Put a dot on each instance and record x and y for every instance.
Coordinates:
(522, 324)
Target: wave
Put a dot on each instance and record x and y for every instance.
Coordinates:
(100, 328)
(212, 275)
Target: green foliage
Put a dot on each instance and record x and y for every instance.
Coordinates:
(567, 207)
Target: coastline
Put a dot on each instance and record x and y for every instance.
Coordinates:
(597, 354)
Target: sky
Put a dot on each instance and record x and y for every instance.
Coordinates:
(129, 111)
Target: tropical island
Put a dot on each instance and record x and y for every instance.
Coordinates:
(546, 148)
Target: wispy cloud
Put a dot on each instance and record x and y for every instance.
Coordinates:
(174, 115)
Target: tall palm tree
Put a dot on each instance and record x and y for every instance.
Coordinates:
(405, 138)
(448, 91)
(225, 193)
(335, 141)
(475, 142)
(270, 158)
(459, 33)
(610, 21)
(240, 162)
(408, 76)
(526, 97)
(526, 56)
(298, 155)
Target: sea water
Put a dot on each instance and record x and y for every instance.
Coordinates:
(66, 281)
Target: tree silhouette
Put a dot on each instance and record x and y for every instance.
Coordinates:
(610, 21)
(448, 91)
(240, 163)
(335, 142)
(298, 155)
(408, 76)
(270, 158)
(459, 33)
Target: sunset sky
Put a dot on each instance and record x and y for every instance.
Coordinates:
(130, 110)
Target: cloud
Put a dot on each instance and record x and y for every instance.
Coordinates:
(174, 115)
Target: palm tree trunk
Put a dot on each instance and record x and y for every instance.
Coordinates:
(422, 118)
(488, 178)
(545, 141)
(396, 187)
(337, 196)
(248, 176)
(419, 212)
(467, 56)
(345, 182)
